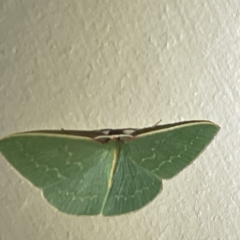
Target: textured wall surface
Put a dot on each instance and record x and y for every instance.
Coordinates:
(110, 64)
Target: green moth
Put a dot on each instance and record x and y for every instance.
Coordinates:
(108, 172)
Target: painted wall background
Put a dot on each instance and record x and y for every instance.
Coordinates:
(97, 64)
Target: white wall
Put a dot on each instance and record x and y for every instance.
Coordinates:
(99, 64)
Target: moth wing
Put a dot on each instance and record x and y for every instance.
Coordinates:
(73, 172)
(167, 151)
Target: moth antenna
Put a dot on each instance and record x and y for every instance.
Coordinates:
(157, 123)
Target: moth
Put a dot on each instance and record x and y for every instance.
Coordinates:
(110, 171)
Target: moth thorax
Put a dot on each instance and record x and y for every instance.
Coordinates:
(116, 135)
